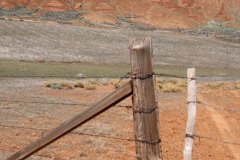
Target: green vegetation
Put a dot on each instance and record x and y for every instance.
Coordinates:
(70, 70)
(63, 16)
(17, 11)
(220, 30)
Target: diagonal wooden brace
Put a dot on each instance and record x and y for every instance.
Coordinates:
(118, 95)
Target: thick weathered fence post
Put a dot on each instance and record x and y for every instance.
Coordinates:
(191, 114)
(145, 110)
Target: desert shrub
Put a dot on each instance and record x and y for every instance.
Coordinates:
(66, 85)
(237, 85)
(58, 84)
(93, 81)
(90, 87)
(159, 80)
(216, 26)
(116, 83)
(159, 85)
(182, 83)
(170, 87)
(105, 82)
(215, 85)
(17, 11)
(63, 16)
(173, 81)
(79, 84)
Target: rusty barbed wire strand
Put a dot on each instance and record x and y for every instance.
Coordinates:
(216, 108)
(71, 133)
(215, 139)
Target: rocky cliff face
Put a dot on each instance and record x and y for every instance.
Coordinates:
(156, 13)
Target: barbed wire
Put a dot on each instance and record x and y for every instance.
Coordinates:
(215, 139)
(59, 103)
(217, 108)
(126, 75)
(71, 133)
(48, 103)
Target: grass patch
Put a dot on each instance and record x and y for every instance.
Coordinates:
(63, 16)
(171, 85)
(79, 84)
(71, 70)
(58, 84)
(90, 87)
(17, 11)
(237, 85)
(215, 85)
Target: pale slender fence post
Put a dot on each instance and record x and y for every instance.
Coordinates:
(145, 110)
(189, 139)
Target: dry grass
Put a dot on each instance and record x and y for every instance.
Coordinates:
(93, 81)
(79, 84)
(237, 85)
(118, 83)
(171, 85)
(58, 84)
(215, 85)
(90, 87)
(105, 81)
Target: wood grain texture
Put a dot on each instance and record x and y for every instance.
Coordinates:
(145, 111)
(191, 114)
(79, 119)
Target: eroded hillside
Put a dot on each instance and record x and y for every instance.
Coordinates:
(155, 13)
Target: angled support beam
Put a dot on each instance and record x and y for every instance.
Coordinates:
(76, 121)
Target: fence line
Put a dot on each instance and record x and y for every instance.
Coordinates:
(215, 139)
(216, 108)
(72, 133)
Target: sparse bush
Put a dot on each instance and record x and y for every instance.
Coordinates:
(215, 85)
(90, 87)
(56, 84)
(63, 16)
(17, 11)
(93, 81)
(237, 85)
(105, 82)
(159, 80)
(66, 85)
(182, 83)
(159, 85)
(79, 84)
(173, 81)
(116, 83)
(169, 87)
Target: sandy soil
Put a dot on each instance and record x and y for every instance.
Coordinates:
(112, 132)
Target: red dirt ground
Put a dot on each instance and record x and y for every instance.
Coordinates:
(157, 13)
(217, 127)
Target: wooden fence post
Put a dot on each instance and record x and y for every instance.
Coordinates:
(145, 110)
(189, 139)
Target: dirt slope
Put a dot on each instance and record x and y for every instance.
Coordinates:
(157, 13)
